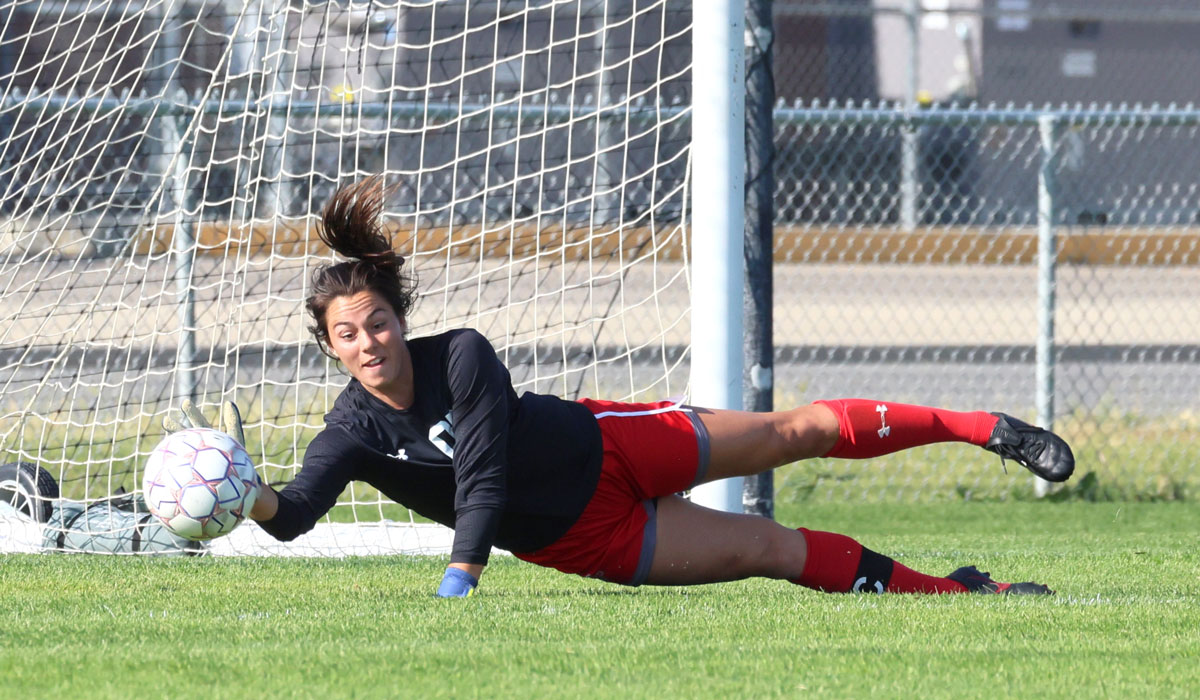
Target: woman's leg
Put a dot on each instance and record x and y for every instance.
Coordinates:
(697, 545)
(743, 443)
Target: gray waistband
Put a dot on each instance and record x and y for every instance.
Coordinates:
(649, 538)
(702, 443)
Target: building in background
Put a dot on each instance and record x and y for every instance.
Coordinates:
(1091, 51)
(490, 74)
(1002, 53)
(825, 53)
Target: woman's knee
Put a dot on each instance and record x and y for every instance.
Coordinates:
(773, 552)
(813, 429)
(780, 437)
(801, 433)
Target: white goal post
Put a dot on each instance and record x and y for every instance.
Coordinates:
(718, 208)
(165, 162)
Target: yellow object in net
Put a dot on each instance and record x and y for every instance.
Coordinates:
(342, 93)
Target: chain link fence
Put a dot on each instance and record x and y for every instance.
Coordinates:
(915, 220)
(933, 247)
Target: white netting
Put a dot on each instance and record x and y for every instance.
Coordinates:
(164, 162)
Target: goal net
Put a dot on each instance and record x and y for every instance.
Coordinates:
(164, 165)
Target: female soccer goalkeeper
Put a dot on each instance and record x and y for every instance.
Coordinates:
(587, 487)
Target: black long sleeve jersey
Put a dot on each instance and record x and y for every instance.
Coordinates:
(468, 453)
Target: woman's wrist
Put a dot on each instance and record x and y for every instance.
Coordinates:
(266, 505)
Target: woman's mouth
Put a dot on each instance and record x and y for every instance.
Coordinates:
(374, 362)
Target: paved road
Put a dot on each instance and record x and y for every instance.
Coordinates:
(97, 335)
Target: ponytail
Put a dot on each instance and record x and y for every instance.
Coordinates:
(351, 225)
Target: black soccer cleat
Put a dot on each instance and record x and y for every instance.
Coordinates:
(1037, 449)
(978, 581)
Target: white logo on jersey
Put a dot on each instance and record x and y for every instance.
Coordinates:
(442, 435)
(886, 429)
(401, 455)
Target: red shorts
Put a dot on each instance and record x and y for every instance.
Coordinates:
(650, 450)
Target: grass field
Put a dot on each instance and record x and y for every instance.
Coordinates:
(1125, 621)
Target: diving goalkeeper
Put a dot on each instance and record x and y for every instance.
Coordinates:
(588, 487)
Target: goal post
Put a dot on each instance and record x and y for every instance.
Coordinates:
(718, 207)
(165, 164)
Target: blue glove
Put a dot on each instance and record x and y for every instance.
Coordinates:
(457, 584)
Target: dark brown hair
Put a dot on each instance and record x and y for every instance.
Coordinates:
(351, 226)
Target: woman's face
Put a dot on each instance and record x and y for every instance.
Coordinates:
(368, 337)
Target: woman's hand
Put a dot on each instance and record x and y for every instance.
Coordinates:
(230, 421)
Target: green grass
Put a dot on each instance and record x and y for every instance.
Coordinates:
(1125, 622)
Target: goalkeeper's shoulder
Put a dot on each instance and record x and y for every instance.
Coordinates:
(455, 340)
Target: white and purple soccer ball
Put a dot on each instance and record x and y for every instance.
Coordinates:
(200, 483)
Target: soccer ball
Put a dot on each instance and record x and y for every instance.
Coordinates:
(200, 483)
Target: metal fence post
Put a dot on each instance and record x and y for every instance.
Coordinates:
(758, 388)
(1050, 129)
(280, 193)
(172, 171)
(183, 249)
(909, 160)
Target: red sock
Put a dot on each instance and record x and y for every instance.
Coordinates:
(872, 428)
(838, 564)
